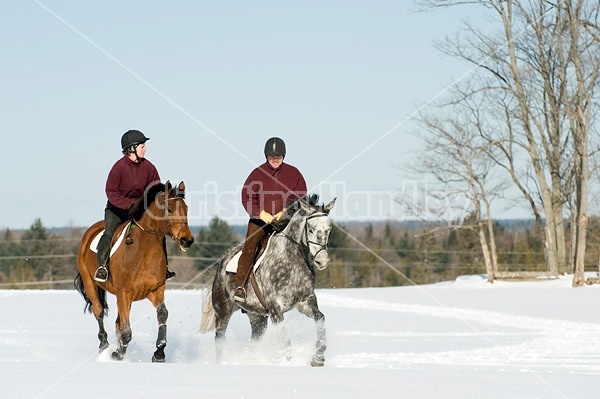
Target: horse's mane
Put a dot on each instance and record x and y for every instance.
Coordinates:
(150, 195)
(309, 199)
(293, 206)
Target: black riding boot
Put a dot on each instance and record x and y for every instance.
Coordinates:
(103, 255)
(112, 219)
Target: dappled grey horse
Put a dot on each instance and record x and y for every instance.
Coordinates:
(285, 277)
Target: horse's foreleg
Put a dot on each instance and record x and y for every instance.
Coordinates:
(258, 324)
(282, 333)
(122, 327)
(161, 340)
(123, 333)
(318, 359)
(162, 314)
(311, 309)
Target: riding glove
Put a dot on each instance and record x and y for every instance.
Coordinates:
(265, 216)
(278, 215)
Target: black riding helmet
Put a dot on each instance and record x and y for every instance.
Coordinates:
(275, 147)
(131, 139)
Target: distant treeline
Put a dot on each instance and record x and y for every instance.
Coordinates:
(363, 254)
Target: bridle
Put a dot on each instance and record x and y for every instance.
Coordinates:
(322, 247)
(305, 249)
(169, 224)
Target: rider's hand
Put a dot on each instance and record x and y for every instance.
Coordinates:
(265, 216)
(277, 217)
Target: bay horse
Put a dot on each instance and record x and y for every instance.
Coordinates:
(137, 270)
(285, 277)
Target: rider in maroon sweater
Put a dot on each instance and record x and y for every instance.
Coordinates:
(268, 188)
(266, 191)
(127, 181)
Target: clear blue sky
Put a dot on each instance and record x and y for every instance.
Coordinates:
(209, 82)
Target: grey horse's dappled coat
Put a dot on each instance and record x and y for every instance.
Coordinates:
(286, 276)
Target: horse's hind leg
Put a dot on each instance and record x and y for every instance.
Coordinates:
(221, 323)
(102, 335)
(98, 311)
(223, 307)
(310, 308)
(97, 302)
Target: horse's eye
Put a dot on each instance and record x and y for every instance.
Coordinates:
(170, 210)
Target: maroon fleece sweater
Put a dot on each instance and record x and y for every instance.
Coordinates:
(271, 189)
(127, 182)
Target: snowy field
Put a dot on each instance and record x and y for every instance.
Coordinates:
(460, 339)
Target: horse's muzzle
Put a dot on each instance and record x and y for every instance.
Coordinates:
(321, 261)
(185, 243)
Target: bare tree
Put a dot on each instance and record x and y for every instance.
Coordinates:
(540, 68)
(460, 171)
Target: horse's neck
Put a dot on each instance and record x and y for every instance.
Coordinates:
(294, 246)
(295, 230)
(149, 221)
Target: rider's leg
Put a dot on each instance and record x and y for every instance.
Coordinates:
(254, 234)
(111, 222)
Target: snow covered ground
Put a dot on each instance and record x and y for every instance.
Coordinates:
(460, 339)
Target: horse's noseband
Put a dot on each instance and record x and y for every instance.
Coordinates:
(305, 250)
(322, 247)
(167, 222)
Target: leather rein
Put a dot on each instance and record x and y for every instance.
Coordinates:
(305, 249)
(169, 224)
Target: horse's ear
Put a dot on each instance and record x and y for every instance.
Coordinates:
(328, 207)
(180, 190)
(168, 187)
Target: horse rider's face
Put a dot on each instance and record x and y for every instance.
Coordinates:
(275, 160)
(140, 150)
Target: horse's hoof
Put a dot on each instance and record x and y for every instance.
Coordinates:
(117, 356)
(159, 355)
(102, 347)
(317, 361)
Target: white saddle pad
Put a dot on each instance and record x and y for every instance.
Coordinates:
(94, 243)
(232, 265)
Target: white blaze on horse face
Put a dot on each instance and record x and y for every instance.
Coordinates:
(176, 214)
(318, 230)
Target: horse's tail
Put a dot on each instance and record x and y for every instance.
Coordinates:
(88, 304)
(208, 312)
